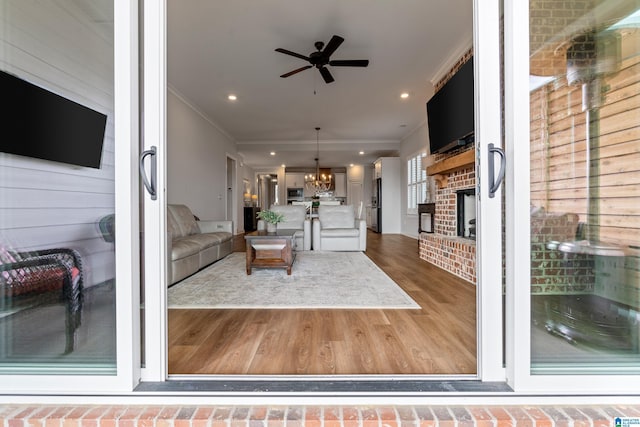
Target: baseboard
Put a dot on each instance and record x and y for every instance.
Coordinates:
(409, 235)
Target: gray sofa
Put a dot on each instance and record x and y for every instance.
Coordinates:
(194, 244)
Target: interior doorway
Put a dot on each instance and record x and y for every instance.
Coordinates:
(335, 342)
(267, 190)
(231, 190)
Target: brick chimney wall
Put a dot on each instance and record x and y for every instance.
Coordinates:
(444, 248)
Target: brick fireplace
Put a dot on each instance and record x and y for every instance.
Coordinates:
(455, 175)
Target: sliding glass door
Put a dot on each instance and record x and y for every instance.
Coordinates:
(573, 114)
(67, 321)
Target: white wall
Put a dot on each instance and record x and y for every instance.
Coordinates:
(412, 144)
(45, 204)
(197, 160)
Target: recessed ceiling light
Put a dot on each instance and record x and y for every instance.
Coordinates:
(404, 95)
(232, 97)
(273, 153)
(351, 165)
(283, 165)
(361, 153)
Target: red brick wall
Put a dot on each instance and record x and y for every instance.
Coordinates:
(313, 416)
(445, 220)
(444, 248)
(553, 272)
(453, 254)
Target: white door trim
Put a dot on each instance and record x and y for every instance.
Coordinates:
(155, 221)
(486, 17)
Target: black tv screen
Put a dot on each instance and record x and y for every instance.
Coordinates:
(38, 123)
(450, 112)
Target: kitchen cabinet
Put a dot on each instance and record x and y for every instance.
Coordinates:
(294, 180)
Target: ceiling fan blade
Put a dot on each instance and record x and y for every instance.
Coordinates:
(333, 44)
(288, 52)
(326, 75)
(350, 63)
(291, 73)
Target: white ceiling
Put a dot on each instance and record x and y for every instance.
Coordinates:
(217, 47)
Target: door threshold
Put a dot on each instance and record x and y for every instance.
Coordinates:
(324, 385)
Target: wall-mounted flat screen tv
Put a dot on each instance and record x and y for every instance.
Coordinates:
(450, 112)
(38, 123)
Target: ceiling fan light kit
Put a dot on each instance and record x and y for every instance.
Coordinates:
(322, 58)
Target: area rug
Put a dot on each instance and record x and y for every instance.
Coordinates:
(327, 280)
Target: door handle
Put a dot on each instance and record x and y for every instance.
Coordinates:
(494, 183)
(149, 184)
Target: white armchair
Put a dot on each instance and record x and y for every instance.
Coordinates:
(337, 229)
(295, 218)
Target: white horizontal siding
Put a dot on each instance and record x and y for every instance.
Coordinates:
(36, 174)
(34, 198)
(44, 204)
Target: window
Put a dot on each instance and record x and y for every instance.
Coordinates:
(417, 189)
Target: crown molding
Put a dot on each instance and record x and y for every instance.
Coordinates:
(452, 59)
(195, 108)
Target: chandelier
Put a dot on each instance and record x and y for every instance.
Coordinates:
(317, 183)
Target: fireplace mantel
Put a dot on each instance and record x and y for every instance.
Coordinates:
(442, 169)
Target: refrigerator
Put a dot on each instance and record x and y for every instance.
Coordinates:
(376, 207)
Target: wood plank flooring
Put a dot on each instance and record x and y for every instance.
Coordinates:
(438, 339)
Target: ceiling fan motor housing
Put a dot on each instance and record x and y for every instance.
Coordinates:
(318, 60)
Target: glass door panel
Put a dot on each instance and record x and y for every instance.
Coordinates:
(57, 188)
(584, 176)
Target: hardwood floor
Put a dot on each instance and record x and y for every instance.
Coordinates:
(440, 338)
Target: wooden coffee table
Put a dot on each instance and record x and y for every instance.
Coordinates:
(270, 250)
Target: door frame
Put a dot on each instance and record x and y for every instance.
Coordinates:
(231, 196)
(486, 42)
(488, 130)
(155, 240)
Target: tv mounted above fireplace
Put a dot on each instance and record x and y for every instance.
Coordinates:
(450, 112)
(41, 124)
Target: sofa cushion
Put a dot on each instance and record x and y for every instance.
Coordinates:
(180, 221)
(182, 248)
(194, 243)
(223, 236)
(340, 232)
(342, 216)
(172, 225)
(294, 216)
(204, 240)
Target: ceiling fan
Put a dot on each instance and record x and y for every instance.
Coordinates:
(321, 58)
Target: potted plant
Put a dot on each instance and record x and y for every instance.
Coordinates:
(271, 218)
